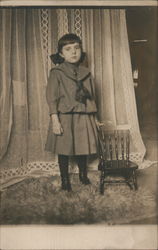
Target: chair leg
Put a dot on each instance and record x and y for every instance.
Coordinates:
(135, 180)
(129, 184)
(127, 177)
(102, 176)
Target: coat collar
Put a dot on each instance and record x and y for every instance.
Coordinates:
(69, 70)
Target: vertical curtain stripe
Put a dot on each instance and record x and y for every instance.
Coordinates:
(44, 22)
(62, 22)
(78, 22)
(5, 80)
(49, 42)
(98, 76)
(17, 44)
(91, 38)
(53, 31)
(83, 29)
(37, 81)
(71, 20)
(108, 115)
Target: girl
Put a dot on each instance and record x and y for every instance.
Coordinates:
(71, 100)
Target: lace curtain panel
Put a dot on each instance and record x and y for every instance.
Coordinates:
(28, 37)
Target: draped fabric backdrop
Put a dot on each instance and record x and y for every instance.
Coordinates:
(28, 37)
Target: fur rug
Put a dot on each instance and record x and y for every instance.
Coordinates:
(41, 201)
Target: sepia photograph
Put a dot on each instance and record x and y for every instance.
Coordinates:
(78, 118)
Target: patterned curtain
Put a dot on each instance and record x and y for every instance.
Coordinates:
(31, 37)
(24, 110)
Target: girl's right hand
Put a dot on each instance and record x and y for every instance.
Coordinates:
(56, 125)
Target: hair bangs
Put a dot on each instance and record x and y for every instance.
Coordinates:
(68, 39)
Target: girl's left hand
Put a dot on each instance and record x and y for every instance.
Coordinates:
(98, 123)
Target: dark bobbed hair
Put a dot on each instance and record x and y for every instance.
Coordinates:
(69, 38)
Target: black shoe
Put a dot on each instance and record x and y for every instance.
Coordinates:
(66, 185)
(69, 188)
(84, 179)
(63, 184)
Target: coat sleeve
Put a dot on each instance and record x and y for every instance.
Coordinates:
(93, 88)
(52, 92)
(93, 91)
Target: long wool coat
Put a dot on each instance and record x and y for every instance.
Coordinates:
(77, 119)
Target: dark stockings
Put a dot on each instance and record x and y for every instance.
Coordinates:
(82, 165)
(63, 161)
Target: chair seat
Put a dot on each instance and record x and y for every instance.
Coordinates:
(118, 168)
(119, 165)
(116, 164)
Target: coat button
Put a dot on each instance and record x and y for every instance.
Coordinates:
(75, 73)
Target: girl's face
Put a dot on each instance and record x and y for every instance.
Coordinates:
(71, 52)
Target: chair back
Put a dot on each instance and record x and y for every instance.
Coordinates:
(114, 147)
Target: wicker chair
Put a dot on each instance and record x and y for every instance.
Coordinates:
(114, 152)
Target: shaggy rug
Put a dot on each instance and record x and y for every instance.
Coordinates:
(41, 201)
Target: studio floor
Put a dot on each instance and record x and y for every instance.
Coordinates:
(41, 201)
(149, 177)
